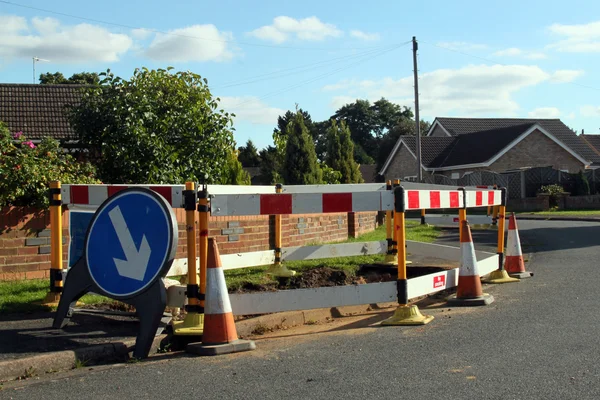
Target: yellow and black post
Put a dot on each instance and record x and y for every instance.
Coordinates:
(423, 216)
(405, 314)
(278, 269)
(500, 275)
(495, 211)
(56, 260)
(390, 256)
(193, 324)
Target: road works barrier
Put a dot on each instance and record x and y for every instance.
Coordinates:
(218, 200)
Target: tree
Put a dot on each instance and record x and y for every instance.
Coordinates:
(368, 123)
(340, 153)
(157, 127)
(300, 166)
(269, 167)
(81, 78)
(234, 173)
(248, 155)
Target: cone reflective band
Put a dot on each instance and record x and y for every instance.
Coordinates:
(469, 291)
(514, 265)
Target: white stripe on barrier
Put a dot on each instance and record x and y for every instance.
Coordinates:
(364, 201)
(307, 203)
(246, 260)
(97, 195)
(217, 301)
(238, 189)
(338, 188)
(424, 285)
(333, 250)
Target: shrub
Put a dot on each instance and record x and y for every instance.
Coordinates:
(27, 169)
(553, 191)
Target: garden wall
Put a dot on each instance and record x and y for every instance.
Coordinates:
(25, 235)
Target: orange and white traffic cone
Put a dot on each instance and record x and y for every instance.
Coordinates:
(220, 335)
(469, 291)
(515, 265)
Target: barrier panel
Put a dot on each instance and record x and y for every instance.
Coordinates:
(229, 200)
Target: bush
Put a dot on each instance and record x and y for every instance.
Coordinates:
(553, 191)
(582, 186)
(27, 169)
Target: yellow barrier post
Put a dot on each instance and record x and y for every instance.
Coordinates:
(495, 211)
(193, 324)
(56, 260)
(278, 269)
(423, 216)
(500, 275)
(395, 184)
(405, 314)
(390, 256)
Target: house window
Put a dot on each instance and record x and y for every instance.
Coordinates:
(412, 178)
(455, 175)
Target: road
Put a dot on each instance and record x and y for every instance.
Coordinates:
(539, 340)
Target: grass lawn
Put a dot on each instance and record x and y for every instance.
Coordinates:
(414, 231)
(567, 213)
(25, 296)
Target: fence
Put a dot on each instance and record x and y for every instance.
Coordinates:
(524, 183)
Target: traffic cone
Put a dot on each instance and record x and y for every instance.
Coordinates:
(220, 335)
(515, 265)
(469, 292)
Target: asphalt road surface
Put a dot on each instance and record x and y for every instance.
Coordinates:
(538, 340)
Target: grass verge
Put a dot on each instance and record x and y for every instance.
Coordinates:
(567, 213)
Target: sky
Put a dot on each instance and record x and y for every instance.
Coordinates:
(476, 59)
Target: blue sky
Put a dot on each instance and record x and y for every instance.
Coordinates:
(476, 59)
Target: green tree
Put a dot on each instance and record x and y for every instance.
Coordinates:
(157, 127)
(340, 153)
(234, 173)
(330, 175)
(269, 167)
(300, 166)
(81, 78)
(27, 168)
(248, 155)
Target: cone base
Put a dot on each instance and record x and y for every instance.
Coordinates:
(192, 325)
(280, 271)
(407, 315)
(483, 227)
(389, 259)
(499, 276)
(51, 300)
(521, 275)
(484, 300)
(236, 346)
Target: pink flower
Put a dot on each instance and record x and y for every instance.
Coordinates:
(29, 143)
(18, 134)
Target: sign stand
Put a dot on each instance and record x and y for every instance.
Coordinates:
(129, 247)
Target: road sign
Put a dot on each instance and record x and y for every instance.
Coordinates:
(130, 242)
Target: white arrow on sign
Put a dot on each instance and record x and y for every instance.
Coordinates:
(136, 262)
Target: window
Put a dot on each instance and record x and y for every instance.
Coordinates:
(455, 175)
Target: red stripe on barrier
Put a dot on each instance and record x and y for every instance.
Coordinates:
(478, 198)
(115, 189)
(434, 199)
(413, 199)
(337, 202)
(454, 203)
(80, 195)
(164, 191)
(491, 198)
(274, 204)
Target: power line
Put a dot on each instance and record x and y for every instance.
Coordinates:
(300, 69)
(316, 78)
(499, 63)
(177, 34)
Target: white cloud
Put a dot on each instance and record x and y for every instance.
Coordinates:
(251, 109)
(590, 111)
(141, 33)
(474, 90)
(571, 116)
(193, 43)
(462, 46)
(283, 28)
(516, 52)
(581, 38)
(48, 38)
(364, 36)
(565, 75)
(544, 112)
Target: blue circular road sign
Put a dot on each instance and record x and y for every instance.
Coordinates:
(131, 242)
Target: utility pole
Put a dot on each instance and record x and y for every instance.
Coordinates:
(417, 120)
(34, 60)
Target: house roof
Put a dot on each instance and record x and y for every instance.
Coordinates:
(593, 141)
(38, 110)
(481, 140)
(463, 126)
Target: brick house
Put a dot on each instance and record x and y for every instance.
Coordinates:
(455, 146)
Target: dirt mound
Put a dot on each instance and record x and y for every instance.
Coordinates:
(317, 277)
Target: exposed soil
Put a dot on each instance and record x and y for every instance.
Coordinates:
(325, 277)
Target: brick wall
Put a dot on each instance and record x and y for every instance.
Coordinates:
(540, 203)
(403, 164)
(25, 236)
(582, 202)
